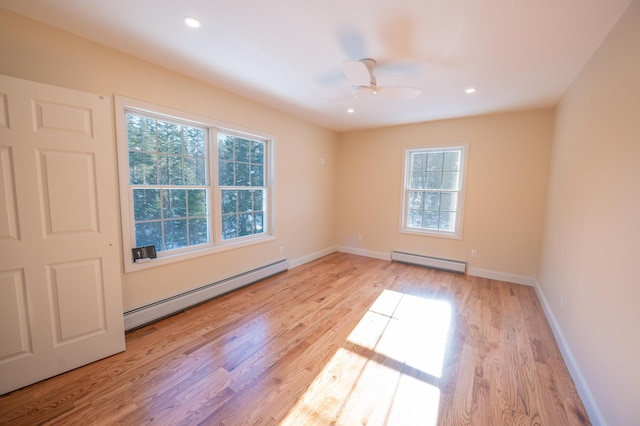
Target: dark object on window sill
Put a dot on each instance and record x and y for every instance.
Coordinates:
(144, 254)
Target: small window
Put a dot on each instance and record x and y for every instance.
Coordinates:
(433, 191)
(188, 185)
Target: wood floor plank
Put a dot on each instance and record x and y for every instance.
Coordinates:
(342, 340)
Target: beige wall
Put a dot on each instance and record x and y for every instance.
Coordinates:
(592, 229)
(506, 186)
(304, 201)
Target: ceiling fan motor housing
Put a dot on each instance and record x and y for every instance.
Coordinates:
(365, 91)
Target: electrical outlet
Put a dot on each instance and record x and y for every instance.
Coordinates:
(561, 300)
(281, 250)
(474, 253)
(359, 237)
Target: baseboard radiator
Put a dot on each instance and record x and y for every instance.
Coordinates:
(143, 315)
(429, 262)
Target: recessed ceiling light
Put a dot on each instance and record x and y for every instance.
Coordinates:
(351, 110)
(470, 90)
(192, 22)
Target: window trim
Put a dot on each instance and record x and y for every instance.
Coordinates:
(122, 106)
(457, 234)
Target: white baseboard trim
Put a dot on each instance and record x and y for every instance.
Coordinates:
(576, 374)
(366, 253)
(311, 257)
(476, 272)
(450, 265)
(146, 314)
(501, 276)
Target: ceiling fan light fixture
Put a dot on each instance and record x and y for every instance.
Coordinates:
(364, 91)
(191, 22)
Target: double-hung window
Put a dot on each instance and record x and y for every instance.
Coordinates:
(168, 182)
(188, 185)
(242, 184)
(434, 191)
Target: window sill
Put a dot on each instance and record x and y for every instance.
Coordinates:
(130, 266)
(430, 233)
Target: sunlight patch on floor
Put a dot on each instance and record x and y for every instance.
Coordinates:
(387, 371)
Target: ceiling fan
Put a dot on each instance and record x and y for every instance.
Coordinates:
(360, 74)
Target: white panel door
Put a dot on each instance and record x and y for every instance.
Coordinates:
(60, 281)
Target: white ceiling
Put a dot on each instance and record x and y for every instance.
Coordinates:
(287, 53)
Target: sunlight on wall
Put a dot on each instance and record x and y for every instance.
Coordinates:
(387, 371)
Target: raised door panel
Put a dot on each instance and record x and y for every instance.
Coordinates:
(8, 213)
(14, 317)
(60, 117)
(61, 174)
(77, 300)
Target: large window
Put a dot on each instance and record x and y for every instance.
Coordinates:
(189, 186)
(168, 180)
(433, 191)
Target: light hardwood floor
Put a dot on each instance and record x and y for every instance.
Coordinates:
(343, 340)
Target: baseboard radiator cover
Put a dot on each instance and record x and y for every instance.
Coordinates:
(144, 315)
(429, 262)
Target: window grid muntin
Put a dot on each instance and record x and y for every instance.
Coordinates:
(163, 218)
(426, 211)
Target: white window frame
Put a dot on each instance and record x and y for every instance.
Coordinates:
(216, 244)
(219, 188)
(457, 232)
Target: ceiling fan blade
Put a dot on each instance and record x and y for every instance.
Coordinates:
(357, 73)
(352, 42)
(398, 93)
